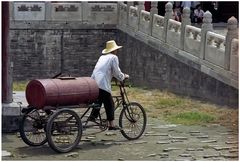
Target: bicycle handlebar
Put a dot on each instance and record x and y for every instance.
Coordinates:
(121, 83)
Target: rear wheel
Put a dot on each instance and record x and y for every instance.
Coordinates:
(64, 130)
(133, 121)
(32, 128)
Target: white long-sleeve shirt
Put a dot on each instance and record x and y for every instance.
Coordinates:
(106, 68)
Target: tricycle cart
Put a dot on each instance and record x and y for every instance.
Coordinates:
(62, 126)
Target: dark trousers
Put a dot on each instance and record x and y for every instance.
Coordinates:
(106, 99)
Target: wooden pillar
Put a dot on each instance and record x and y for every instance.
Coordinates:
(6, 69)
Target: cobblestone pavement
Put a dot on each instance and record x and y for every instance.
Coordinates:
(161, 141)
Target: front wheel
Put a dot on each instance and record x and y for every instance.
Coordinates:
(133, 121)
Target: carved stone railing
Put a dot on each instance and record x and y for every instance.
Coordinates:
(122, 20)
(87, 13)
(28, 11)
(215, 49)
(133, 17)
(144, 21)
(234, 56)
(192, 40)
(102, 13)
(211, 52)
(174, 33)
(158, 27)
(59, 10)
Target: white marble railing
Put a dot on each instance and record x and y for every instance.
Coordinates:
(133, 17)
(144, 21)
(215, 49)
(158, 26)
(89, 13)
(202, 45)
(122, 20)
(174, 33)
(66, 11)
(234, 56)
(192, 40)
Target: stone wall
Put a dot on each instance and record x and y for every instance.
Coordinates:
(149, 67)
(45, 53)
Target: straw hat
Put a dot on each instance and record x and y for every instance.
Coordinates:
(110, 46)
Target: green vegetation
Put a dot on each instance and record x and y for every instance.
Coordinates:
(170, 102)
(181, 110)
(19, 86)
(189, 118)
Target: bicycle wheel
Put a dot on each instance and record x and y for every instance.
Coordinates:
(31, 128)
(133, 121)
(64, 130)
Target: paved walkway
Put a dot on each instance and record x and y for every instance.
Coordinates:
(161, 141)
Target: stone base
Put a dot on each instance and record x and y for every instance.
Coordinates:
(11, 115)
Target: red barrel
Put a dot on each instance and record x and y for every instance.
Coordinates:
(61, 91)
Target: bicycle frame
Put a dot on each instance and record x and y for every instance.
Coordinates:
(122, 99)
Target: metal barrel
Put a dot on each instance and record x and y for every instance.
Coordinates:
(61, 91)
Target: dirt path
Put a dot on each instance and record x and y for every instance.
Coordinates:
(162, 141)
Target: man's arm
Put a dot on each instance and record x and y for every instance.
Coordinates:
(116, 70)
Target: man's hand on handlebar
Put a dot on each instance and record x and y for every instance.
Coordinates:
(126, 76)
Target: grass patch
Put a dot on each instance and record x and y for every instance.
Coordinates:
(170, 102)
(190, 118)
(19, 86)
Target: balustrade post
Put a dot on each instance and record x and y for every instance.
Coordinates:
(48, 12)
(11, 10)
(185, 21)
(118, 12)
(129, 3)
(153, 10)
(231, 33)
(140, 8)
(206, 26)
(84, 11)
(168, 15)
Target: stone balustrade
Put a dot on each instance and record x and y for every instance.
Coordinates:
(192, 40)
(133, 17)
(122, 18)
(215, 49)
(87, 13)
(158, 26)
(59, 10)
(234, 56)
(144, 21)
(215, 53)
(174, 33)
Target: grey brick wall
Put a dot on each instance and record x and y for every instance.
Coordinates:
(45, 53)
